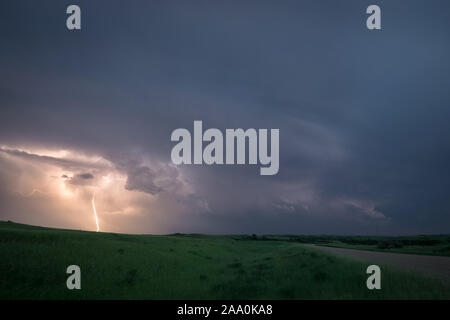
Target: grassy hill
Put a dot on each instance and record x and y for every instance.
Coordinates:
(33, 262)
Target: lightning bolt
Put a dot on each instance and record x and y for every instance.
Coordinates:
(95, 211)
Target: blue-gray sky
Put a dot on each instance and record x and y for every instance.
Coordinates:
(363, 115)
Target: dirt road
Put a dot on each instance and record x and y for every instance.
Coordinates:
(433, 266)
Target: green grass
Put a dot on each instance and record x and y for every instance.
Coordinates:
(33, 262)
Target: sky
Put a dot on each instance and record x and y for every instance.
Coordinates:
(363, 115)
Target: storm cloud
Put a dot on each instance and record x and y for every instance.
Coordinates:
(363, 115)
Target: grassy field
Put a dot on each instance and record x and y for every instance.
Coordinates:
(435, 245)
(33, 262)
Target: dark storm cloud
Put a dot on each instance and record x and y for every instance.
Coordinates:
(59, 162)
(85, 176)
(141, 179)
(81, 179)
(364, 139)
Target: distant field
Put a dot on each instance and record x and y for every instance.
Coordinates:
(435, 250)
(436, 245)
(33, 262)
